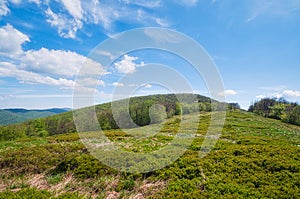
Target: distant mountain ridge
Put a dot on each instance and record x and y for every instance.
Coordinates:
(53, 110)
(17, 115)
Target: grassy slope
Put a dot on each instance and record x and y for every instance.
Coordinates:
(255, 157)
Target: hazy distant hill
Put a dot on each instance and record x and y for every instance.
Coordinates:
(12, 116)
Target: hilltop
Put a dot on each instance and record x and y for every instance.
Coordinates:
(139, 110)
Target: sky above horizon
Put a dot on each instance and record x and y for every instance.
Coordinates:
(255, 45)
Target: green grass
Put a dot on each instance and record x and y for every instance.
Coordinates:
(254, 158)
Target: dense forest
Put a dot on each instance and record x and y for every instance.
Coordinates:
(139, 109)
(13, 116)
(281, 109)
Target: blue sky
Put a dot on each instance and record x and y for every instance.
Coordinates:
(255, 45)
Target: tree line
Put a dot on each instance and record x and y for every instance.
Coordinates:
(280, 108)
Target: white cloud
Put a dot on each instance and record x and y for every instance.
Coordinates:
(92, 68)
(280, 8)
(51, 62)
(89, 82)
(147, 85)
(285, 93)
(105, 13)
(78, 13)
(228, 92)
(67, 27)
(100, 95)
(187, 2)
(4, 10)
(165, 37)
(273, 88)
(15, 1)
(42, 66)
(118, 84)
(58, 62)
(74, 8)
(12, 40)
(38, 2)
(97, 13)
(7, 97)
(127, 65)
(10, 70)
(260, 96)
(291, 93)
(43, 96)
(162, 22)
(145, 3)
(105, 53)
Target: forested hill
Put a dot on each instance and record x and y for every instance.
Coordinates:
(17, 115)
(138, 108)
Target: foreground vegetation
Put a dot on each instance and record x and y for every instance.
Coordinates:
(255, 157)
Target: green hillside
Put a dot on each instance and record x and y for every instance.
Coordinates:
(255, 157)
(13, 116)
(139, 111)
(8, 117)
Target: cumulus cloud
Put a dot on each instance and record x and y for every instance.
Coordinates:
(127, 64)
(10, 70)
(291, 93)
(228, 92)
(285, 93)
(58, 62)
(39, 66)
(118, 84)
(15, 38)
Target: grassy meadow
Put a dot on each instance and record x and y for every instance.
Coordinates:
(255, 157)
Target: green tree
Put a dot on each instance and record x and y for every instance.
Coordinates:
(277, 111)
(157, 113)
(294, 116)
